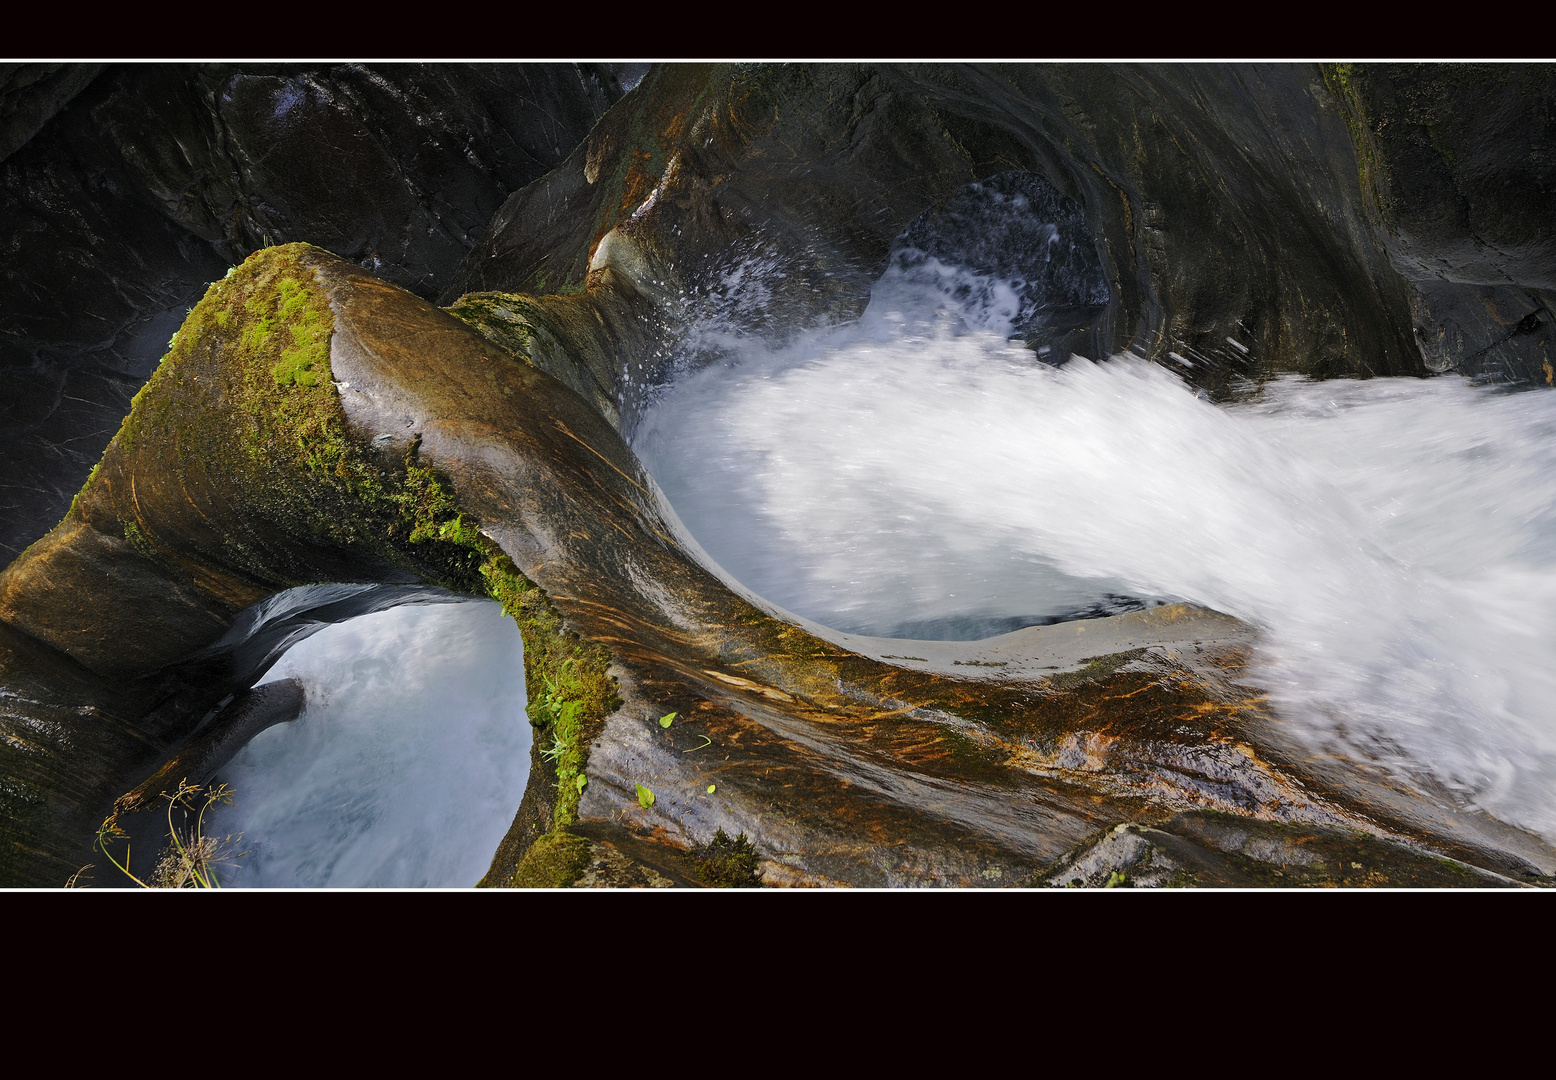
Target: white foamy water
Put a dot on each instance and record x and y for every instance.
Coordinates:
(406, 767)
(1394, 539)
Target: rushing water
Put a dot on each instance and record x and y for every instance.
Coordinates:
(916, 473)
(407, 765)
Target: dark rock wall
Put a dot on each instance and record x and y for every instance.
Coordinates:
(128, 189)
(30, 94)
(1226, 201)
(1459, 162)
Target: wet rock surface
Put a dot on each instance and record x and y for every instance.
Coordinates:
(1204, 850)
(1459, 165)
(974, 764)
(1127, 750)
(129, 187)
(1228, 217)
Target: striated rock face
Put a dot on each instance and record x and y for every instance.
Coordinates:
(124, 191)
(1228, 218)
(1459, 166)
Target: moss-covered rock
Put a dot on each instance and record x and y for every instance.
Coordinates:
(233, 476)
(125, 188)
(727, 863)
(554, 861)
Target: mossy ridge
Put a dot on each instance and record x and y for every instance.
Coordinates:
(504, 319)
(245, 393)
(570, 693)
(1344, 83)
(554, 861)
(567, 683)
(264, 332)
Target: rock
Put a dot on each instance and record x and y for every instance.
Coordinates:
(130, 189)
(1459, 166)
(314, 424)
(1215, 850)
(1229, 223)
(30, 94)
(218, 740)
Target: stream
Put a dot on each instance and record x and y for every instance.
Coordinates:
(924, 472)
(405, 767)
(918, 473)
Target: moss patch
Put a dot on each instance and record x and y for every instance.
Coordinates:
(504, 319)
(137, 539)
(566, 681)
(727, 864)
(1345, 85)
(554, 861)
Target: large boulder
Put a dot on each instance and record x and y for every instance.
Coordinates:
(124, 191)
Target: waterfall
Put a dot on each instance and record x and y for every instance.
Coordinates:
(405, 767)
(916, 473)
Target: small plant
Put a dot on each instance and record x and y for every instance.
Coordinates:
(191, 857)
(728, 864)
(560, 744)
(553, 703)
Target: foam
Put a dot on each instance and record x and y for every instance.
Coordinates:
(407, 765)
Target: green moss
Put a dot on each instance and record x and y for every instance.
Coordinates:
(504, 319)
(75, 500)
(554, 861)
(728, 864)
(569, 689)
(307, 357)
(137, 539)
(1345, 84)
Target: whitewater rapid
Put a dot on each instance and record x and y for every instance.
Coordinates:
(916, 474)
(406, 766)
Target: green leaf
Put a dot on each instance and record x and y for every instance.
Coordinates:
(710, 788)
(645, 797)
(666, 721)
(582, 782)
